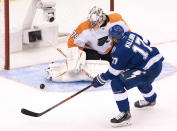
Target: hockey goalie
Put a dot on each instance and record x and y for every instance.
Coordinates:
(75, 68)
(91, 37)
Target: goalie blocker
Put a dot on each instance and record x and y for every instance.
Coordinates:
(75, 67)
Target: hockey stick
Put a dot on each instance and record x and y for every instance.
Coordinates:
(34, 114)
(84, 71)
(56, 48)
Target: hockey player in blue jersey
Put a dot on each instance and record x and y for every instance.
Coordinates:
(135, 64)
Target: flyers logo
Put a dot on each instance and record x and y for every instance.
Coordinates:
(103, 40)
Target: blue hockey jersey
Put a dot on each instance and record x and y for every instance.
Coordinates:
(132, 52)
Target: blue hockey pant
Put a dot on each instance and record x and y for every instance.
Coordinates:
(135, 78)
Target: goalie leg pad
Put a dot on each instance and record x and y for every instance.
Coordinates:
(76, 59)
(95, 67)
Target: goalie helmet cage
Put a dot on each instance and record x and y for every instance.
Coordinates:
(5, 49)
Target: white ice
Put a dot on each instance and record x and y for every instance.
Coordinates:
(92, 110)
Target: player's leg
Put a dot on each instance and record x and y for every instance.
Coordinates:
(149, 96)
(146, 89)
(122, 102)
(127, 80)
(133, 78)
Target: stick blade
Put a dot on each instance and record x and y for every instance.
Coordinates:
(29, 113)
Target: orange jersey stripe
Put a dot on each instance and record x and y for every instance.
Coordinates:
(115, 17)
(83, 26)
(71, 44)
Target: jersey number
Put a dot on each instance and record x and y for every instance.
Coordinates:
(136, 48)
(114, 60)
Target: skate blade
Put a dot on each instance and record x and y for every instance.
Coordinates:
(145, 108)
(125, 123)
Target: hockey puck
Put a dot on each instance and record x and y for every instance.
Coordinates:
(42, 86)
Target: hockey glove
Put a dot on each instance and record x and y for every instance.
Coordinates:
(98, 81)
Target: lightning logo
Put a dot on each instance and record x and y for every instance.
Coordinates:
(134, 74)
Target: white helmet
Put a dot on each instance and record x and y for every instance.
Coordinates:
(96, 16)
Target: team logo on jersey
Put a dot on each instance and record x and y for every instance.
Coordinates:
(135, 74)
(103, 40)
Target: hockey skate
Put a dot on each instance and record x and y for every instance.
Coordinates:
(123, 119)
(144, 103)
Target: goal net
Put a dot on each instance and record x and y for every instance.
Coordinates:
(30, 30)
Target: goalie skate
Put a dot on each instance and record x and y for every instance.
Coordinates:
(144, 103)
(123, 119)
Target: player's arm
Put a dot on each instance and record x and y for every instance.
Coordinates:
(79, 36)
(72, 42)
(145, 40)
(120, 58)
(119, 63)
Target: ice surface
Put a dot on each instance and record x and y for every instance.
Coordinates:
(92, 110)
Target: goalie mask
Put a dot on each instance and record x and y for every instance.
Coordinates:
(96, 17)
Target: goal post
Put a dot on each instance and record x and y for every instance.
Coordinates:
(111, 5)
(7, 36)
(9, 0)
(4, 35)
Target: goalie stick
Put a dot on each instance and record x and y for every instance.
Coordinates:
(56, 48)
(34, 114)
